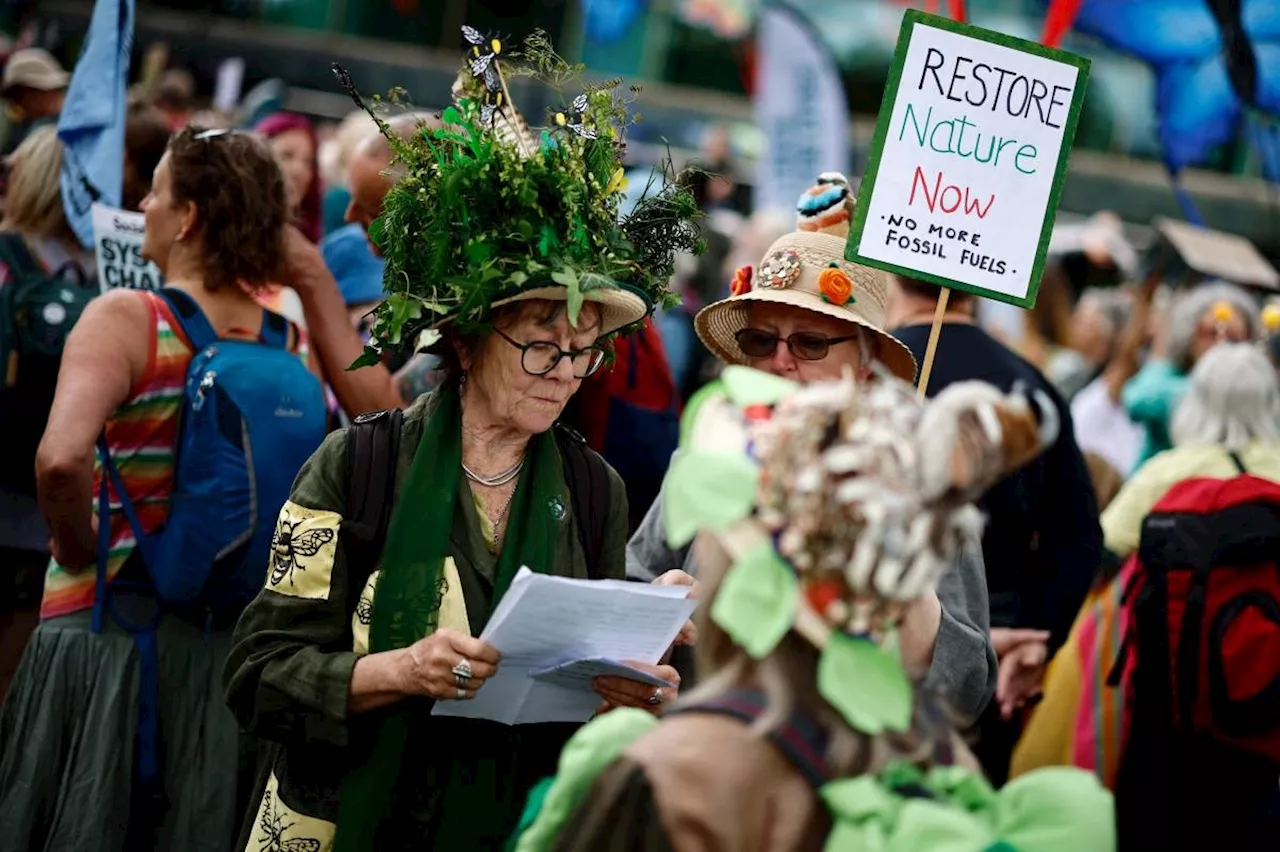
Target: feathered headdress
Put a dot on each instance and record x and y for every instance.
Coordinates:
(840, 504)
(490, 211)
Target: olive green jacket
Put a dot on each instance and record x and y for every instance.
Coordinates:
(288, 678)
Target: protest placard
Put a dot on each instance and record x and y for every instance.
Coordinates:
(117, 243)
(967, 161)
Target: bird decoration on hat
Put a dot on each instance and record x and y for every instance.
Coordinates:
(827, 206)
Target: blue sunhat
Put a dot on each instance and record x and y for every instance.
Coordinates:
(355, 266)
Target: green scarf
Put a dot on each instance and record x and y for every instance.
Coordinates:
(411, 585)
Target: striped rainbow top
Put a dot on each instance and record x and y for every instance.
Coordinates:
(142, 436)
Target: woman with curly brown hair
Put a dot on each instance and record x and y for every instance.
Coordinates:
(69, 779)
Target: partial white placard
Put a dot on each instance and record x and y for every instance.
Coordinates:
(117, 244)
(968, 159)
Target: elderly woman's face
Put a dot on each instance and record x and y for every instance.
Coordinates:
(528, 402)
(782, 321)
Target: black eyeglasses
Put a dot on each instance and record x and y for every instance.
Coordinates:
(541, 357)
(805, 345)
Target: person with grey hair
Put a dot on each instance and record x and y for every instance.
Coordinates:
(1228, 421)
(1198, 320)
(1102, 425)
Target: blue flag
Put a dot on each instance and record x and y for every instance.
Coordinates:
(91, 126)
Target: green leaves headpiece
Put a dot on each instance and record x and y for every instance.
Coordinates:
(487, 208)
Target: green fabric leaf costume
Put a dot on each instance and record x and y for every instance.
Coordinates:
(903, 808)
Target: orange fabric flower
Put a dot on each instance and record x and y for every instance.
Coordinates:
(741, 281)
(835, 285)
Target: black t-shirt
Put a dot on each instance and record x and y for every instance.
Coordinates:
(1043, 541)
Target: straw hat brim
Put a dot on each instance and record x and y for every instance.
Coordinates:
(619, 308)
(717, 324)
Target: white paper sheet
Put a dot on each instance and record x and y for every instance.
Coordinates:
(543, 622)
(580, 674)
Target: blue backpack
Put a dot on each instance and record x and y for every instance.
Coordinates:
(252, 415)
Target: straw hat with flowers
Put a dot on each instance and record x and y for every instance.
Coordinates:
(807, 269)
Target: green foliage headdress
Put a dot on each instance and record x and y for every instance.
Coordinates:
(489, 212)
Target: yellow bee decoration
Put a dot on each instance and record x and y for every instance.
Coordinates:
(493, 102)
(484, 54)
(575, 119)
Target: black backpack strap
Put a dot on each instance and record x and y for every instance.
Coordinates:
(1236, 460)
(587, 479)
(14, 249)
(373, 446)
(800, 740)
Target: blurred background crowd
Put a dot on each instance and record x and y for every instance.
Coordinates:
(1133, 297)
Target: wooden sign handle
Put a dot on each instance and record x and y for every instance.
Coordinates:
(932, 348)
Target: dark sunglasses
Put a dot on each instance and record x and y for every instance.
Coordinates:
(805, 345)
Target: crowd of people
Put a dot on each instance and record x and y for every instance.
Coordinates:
(237, 572)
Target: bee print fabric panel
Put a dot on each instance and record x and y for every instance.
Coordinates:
(453, 607)
(302, 552)
(278, 828)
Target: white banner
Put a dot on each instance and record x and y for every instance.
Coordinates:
(117, 243)
(800, 110)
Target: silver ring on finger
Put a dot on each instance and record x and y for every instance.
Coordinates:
(459, 681)
(655, 699)
(463, 670)
(462, 694)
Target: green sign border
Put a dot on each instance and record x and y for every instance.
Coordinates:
(910, 19)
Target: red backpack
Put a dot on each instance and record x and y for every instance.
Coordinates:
(630, 414)
(1201, 661)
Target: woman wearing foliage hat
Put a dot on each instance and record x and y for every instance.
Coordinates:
(804, 733)
(509, 245)
(806, 314)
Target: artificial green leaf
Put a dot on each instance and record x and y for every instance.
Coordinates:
(573, 303)
(691, 408)
(852, 835)
(377, 231)
(857, 798)
(517, 278)
(595, 281)
(565, 277)
(573, 298)
(451, 116)
(548, 241)
(368, 358)
(746, 386)
(706, 488)
(756, 601)
(865, 684)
